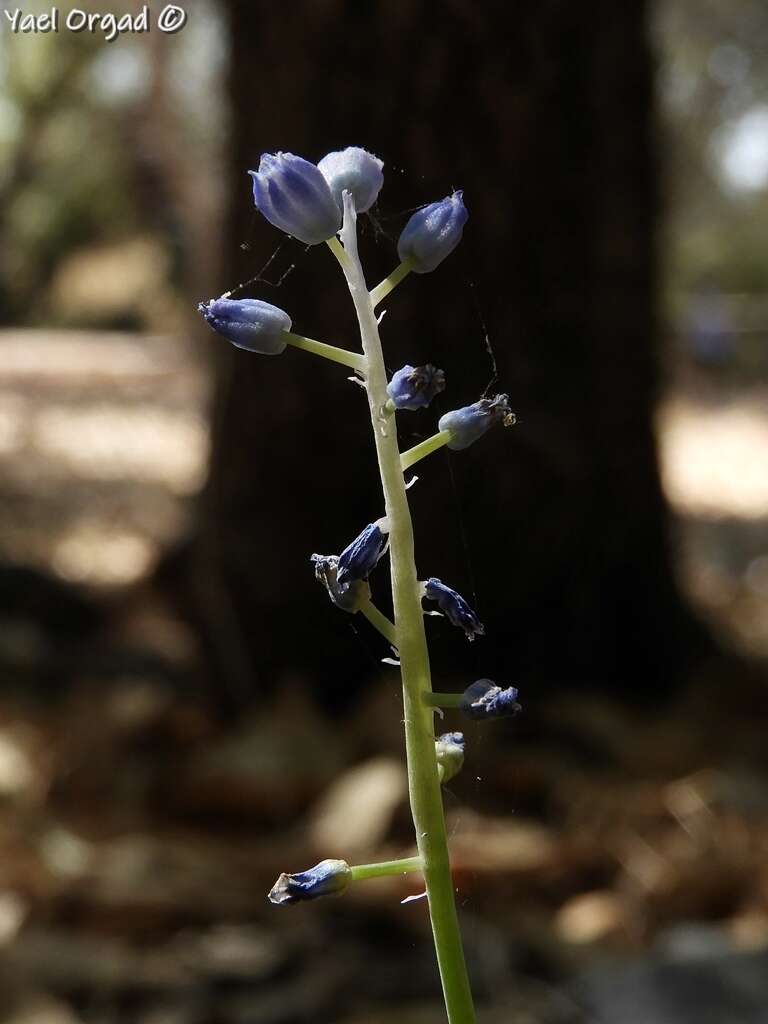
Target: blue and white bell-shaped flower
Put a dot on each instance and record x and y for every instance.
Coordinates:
(355, 170)
(325, 878)
(248, 323)
(432, 233)
(294, 196)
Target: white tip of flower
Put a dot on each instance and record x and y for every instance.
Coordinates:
(356, 171)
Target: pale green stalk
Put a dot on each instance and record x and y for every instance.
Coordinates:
(423, 782)
(319, 348)
(380, 621)
(415, 454)
(385, 287)
(385, 867)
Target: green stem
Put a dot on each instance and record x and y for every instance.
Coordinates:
(423, 782)
(443, 700)
(407, 459)
(382, 290)
(319, 348)
(338, 250)
(385, 867)
(380, 621)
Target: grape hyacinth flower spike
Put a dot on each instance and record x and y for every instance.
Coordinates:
(321, 203)
(355, 170)
(248, 323)
(454, 607)
(414, 387)
(294, 196)
(432, 233)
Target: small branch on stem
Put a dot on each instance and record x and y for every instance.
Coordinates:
(338, 355)
(424, 448)
(389, 283)
(406, 865)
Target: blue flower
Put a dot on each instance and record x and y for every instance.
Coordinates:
(327, 877)
(449, 751)
(485, 699)
(358, 558)
(455, 608)
(414, 387)
(468, 424)
(248, 323)
(349, 596)
(294, 196)
(432, 233)
(355, 170)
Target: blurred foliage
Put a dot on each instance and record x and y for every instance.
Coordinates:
(713, 86)
(95, 140)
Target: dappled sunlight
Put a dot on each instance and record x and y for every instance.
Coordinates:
(714, 460)
(93, 553)
(109, 442)
(714, 465)
(103, 441)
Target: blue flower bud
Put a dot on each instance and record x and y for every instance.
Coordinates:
(449, 750)
(349, 596)
(471, 422)
(294, 196)
(484, 699)
(358, 558)
(248, 323)
(356, 171)
(432, 233)
(414, 387)
(327, 877)
(455, 608)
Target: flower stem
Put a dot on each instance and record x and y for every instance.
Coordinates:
(382, 290)
(319, 348)
(337, 249)
(380, 621)
(385, 867)
(419, 451)
(423, 783)
(443, 700)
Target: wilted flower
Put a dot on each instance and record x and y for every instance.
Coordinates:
(432, 233)
(294, 196)
(414, 387)
(358, 559)
(468, 424)
(455, 608)
(356, 171)
(349, 596)
(449, 750)
(248, 323)
(327, 877)
(485, 699)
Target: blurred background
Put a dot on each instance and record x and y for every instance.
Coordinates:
(183, 714)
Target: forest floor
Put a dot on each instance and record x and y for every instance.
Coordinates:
(613, 865)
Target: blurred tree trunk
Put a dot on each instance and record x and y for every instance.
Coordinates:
(557, 526)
